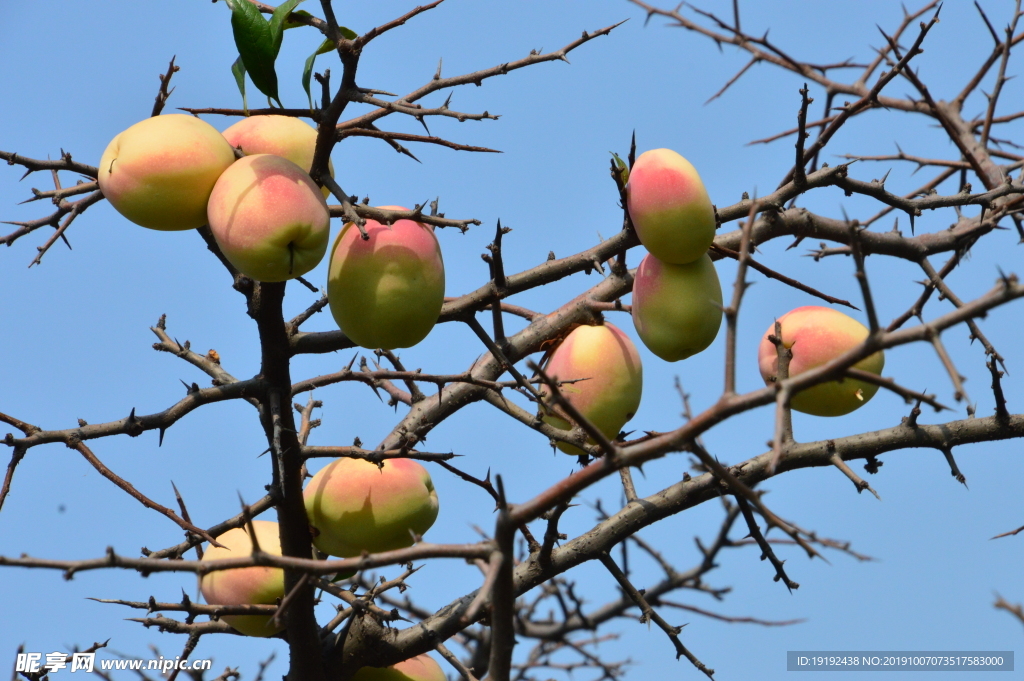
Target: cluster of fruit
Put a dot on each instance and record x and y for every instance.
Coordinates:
(677, 311)
(677, 298)
(385, 290)
(271, 221)
(353, 507)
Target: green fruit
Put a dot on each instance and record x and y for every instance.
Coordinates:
(610, 395)
(270, 220)
(677, 309)
(255, 585)
(419, 668)
(387, 291)
(817, 335)
(159, 173)
(356, 507)
(283, 136)
(669, 207)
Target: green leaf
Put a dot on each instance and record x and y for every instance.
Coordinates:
(622, 167)
(307, 71)
(255, 46)
(348, 33)
(325, 47)
(238, 70)
(277, 23)
(291, 23)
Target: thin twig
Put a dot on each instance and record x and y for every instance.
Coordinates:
(164, 93)
(733, 310)
(772, 274)
(87, 453)
(650, 614)
(766, 549)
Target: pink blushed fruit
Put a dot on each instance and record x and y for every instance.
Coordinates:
(817, 335)
(246, 586)
(669, 207)
(677, 309)
(386, 292)
(610, 395)
(283, 136)
(270, 220)
(419, 668)
(354, 506)
(159, 172)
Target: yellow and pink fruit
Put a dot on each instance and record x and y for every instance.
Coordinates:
(159, 172)
(677, 309)
(255, 585)
(356, 507)
(669, 206)
(419, 668)
(610, 395)
(387, 291)
(270, 220)
(283, 136)
(817, 335)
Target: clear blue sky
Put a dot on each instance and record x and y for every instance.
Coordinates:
(75, 339)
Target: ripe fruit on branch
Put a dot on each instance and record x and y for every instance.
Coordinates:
(419, 668)
(354, 506)
(670, 207)
(283, 136)
(677, 309)
(387, 291)
(246, 586)
(270, 220)
(159, 172)
(610, 395)
(817, 335)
